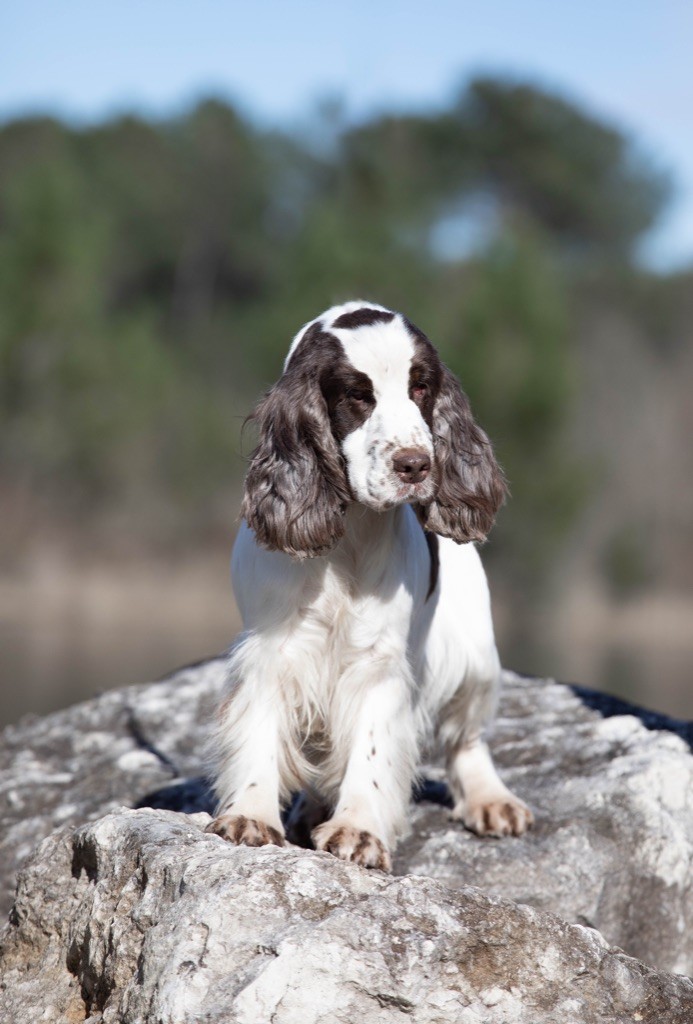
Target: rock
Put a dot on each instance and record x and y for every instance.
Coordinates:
(610, 786)
(143, 917)
(612, 845)
(77, 764)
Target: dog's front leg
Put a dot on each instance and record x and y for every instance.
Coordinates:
(482, 801)
(377, 756)
(247, 750)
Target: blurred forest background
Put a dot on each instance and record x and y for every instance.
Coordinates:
(152, 273)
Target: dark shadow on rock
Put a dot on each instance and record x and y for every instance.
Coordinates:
(301, 817)
(431, 792)
(608, 706)
(189, 796)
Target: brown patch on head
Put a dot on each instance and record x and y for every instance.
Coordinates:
(470, 487)
(296, 489)
(349, 396)
(425, 373)
(366, 316)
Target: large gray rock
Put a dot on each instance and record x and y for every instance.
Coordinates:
(610, 786)
(143, 917)
(612, 846)
(77, 764)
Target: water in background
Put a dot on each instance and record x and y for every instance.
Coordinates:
(70, 631)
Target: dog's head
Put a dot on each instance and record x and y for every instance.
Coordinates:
(366, 412)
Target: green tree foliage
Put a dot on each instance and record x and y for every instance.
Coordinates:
(536, 155)
(507, 337)
(151, 274)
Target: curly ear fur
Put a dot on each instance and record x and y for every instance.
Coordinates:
(471, 486)
(296, 491)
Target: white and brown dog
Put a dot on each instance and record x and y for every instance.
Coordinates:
(368, 628)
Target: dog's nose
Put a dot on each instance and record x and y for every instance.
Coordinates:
(412, 465)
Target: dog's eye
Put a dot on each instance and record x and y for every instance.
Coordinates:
(359, 396)
(419, 391)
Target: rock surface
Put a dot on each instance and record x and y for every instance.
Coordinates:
(611, 787)
(612, 847)
(142, 916)
(77, 764)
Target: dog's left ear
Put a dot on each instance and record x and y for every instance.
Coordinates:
(471, 486)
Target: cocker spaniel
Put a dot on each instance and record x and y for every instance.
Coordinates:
(367, 621)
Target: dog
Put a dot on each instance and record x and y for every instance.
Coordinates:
(366, 611)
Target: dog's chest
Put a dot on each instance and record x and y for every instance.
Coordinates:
(361, 611)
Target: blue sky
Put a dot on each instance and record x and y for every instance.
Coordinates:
(628, 62)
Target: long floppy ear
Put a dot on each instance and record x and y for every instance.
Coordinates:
(296, 491)
(471, 486)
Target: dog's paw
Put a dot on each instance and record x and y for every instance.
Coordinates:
(238, 829)
(504, 816)
(352, 844)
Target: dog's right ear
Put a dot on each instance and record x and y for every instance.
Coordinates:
(296, 491)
